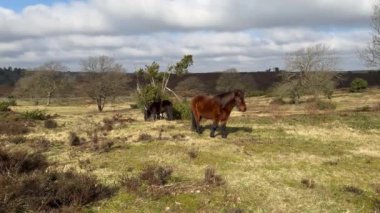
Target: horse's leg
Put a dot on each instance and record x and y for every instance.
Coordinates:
(223, 129)
(214, 127)
(197, 122)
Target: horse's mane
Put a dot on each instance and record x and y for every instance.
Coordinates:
(225, 98)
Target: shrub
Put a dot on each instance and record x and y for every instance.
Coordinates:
(74, 139)
(144, 137)
(134, 106)
(20, 162)
(325, 105)
(193, 153)
(13, 128)
(17, 139)
(4, 106)
(12, 100)
(132, 184)
(352, 189)
(308, 183)
(50, 124)
(26, 187)
(40, 144)
(35, 115)
(211, 178)
(358, 85)
(149, 94)
(156, 175)
(182, 110)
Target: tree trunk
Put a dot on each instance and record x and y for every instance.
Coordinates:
(100, 103)
(178, 98)
(48, 99)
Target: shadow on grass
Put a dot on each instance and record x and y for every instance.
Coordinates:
(229, 129)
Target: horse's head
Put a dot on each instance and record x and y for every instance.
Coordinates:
(239, 100)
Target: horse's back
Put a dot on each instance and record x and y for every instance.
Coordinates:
(205, 106)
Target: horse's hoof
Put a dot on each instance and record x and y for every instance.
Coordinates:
(224, 136)
(212, 135)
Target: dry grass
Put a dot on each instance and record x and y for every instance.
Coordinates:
(277, 158)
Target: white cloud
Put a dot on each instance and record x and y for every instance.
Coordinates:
(247, 34)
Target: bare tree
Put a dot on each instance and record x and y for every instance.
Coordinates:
(310, 71)
(371, 54)
(105, 79)
(46, 81)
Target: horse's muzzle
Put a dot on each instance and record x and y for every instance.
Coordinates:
(243, 109)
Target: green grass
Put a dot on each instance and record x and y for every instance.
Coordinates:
(263, 161)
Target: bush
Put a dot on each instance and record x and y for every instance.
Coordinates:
(325, 105)
(132, 184)
(13, 128)
(358, 85)
(211, 178)
(25, 186)
(50, 124)
(144, 137)
(17, 139)
(74, 139)
(182, 110)
(4, 106)
(156, 175)
(12, 100)
(149, 94)
(34, 115)
(308, 183)
(20, 162)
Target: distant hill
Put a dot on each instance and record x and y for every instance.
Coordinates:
(263, 80)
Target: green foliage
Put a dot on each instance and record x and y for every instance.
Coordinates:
(358, 85)
(4, 106)
(182, 66)
(294, 86)
(154, 86)
(12, 100)
(149, 94)
(182, 110)
(34, 115)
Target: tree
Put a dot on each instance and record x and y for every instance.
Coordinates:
(231, 79)
(47, 81)
(371, 54)
(310, 71)
(105, 79)
(154, 84)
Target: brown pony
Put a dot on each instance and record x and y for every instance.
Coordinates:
(217, 108)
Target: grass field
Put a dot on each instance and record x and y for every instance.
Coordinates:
(277, 157)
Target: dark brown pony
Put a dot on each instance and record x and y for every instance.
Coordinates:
(217, 108)
(156, 109)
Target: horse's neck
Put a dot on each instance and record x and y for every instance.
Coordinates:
(229, 106)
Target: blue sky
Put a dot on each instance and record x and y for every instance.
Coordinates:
(18, 5)
(249, 35)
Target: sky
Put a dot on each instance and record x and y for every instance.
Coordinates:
(249, 35)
